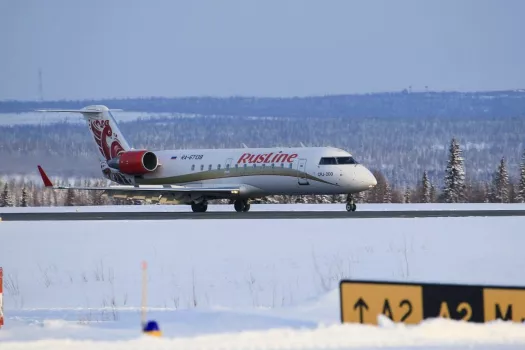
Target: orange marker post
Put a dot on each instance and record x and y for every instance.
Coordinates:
(148, 327)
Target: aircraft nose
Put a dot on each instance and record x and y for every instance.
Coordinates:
(362, 179)
(371, 179)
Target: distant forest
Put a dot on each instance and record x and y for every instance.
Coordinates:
(404, 104)
(399, 134)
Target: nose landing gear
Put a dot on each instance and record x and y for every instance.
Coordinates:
(350, 205)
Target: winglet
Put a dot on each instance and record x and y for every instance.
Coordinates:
(46, 180)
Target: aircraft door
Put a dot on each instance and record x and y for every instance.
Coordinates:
(301, 172)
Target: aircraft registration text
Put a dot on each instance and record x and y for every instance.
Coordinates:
(192, 156)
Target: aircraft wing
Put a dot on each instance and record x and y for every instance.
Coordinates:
(151, 191)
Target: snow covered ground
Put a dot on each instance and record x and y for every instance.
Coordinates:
(245, 284)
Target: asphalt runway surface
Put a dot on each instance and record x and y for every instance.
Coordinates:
(56, 216)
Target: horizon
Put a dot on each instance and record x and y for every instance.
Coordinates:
(405, 91)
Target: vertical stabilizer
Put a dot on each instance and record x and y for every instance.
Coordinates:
(106, 134)
(108, 139)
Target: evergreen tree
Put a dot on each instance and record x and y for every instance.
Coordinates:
(454, 190)
(6, 199)
(387, 198)
(488, 192)
(513, 190)
(425, 198)
(433, 194)
(25, 198)
(360, 197)
(406, 197)
(4, 195)
(477, 192)
(500, 192)
(70, 198)
(96, 198)
(397, 196)
(520, 197)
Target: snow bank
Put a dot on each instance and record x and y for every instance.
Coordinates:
(431, 334)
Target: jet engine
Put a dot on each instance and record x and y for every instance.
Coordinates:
(135, 162)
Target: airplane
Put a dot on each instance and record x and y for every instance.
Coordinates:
(196, 176)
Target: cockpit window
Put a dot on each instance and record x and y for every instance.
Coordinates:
(346, 160)
(327, 160)
(337, 160)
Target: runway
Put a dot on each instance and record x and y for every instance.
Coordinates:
(69, 216)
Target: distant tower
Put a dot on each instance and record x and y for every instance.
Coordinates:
(40, 85)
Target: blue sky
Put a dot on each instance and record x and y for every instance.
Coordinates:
(97, 49)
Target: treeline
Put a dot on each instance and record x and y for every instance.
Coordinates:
(401, 148)
(391, 104)
(457, 189)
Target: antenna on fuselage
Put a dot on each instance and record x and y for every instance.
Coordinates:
(244, 145)
(302, 145)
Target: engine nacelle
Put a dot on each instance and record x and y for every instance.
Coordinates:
(135, 162)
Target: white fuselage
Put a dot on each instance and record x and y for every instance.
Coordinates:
(263, 171)
(242, 173)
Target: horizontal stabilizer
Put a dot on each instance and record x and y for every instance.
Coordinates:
(84, 110)
(68, 110)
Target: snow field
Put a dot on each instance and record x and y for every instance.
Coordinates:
(244, 283)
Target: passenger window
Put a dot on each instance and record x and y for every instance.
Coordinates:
(228, 166)
(245, 166)
(254, 165)
(193, 167)
(290, 166)
(236, 166)
(282, 165)
(209, 167)
(264, 165)
(273, 165)
(202, 167)
(219, 166)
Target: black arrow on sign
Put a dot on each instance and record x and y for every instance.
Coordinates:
(361, 305)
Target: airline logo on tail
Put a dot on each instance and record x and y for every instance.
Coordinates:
(107, 137)
(107, 141)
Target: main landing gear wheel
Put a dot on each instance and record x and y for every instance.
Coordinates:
(350, 205)
(199, 207)
(241, 205)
